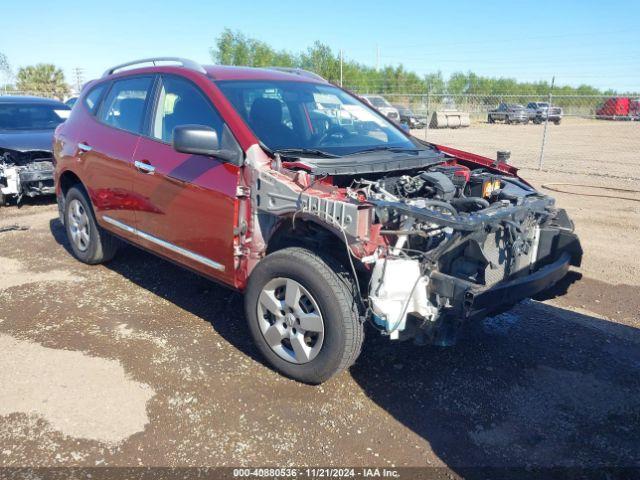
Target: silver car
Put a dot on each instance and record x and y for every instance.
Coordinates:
(383, 106)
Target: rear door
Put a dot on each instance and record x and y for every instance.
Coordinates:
(191, 198)
(106, 149)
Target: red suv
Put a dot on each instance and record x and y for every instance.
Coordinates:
(326, 214)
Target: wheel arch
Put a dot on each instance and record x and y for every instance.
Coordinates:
(306, 233)
(319, 238)
(68, 179)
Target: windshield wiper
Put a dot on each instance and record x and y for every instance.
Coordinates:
(383, 148)
(304, 151)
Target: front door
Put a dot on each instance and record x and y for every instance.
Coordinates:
(191, 198)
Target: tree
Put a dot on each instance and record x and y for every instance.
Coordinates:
(42, 79)
(234, 48)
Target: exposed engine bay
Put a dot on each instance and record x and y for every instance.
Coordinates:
(434, 245)
(25, 173)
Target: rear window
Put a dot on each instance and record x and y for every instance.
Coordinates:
(16, 116)
(93, 97)
(378, 102)
(124, 105)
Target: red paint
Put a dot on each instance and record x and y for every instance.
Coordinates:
(193, 200)
(615, 107)
(474, 160)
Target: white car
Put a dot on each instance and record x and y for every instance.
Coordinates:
(380, 103)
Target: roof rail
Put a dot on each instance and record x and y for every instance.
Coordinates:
(298, 71)
(190, 64)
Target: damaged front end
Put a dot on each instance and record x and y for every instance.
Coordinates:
(434, 239)
(25, 173)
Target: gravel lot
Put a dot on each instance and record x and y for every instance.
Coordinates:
(139, 362)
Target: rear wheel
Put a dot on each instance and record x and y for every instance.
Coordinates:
(303, 315)
(507, 120)
(89, 242)
(490, 119)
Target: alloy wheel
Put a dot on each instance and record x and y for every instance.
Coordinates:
(79, 225)
(290, 320)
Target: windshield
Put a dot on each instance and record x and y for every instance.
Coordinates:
(300, 115)
(16, 116)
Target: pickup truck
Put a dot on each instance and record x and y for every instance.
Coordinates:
(508, 113)
(538, 112)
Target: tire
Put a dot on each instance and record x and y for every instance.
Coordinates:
(537, 121)
(507, 120)
(325, 288)
(89, 242)
(557, 122)
(490, 119)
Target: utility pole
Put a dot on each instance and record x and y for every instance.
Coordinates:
(79, 74)
(426, 128)
(546, 124)
(341, 60)
(377, 57)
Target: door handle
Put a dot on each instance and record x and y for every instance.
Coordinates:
(144, 167)
(83, 147)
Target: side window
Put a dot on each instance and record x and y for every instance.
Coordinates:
(124, 106)
(182, 103)
(92, 98)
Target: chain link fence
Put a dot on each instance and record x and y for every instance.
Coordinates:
(592, 135)
(583, 134)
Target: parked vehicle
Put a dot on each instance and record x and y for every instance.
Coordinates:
(539, 111)
(619, 108)
(409, 118)
(26, 136)
(70, 102)
(508, 113)
(324, 226)
(634, 108)
(383, 106)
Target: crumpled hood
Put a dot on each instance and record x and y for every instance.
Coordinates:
(25, 140)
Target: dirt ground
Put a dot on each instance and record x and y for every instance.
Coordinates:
(601, 149)
(139, 362)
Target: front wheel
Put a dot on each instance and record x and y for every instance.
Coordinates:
(303, 315)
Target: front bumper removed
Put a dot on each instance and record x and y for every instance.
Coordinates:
(478, 302)
(470, 301)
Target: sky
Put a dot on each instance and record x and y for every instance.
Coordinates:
(591, 42)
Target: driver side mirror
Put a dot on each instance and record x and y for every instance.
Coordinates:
(201, 140)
